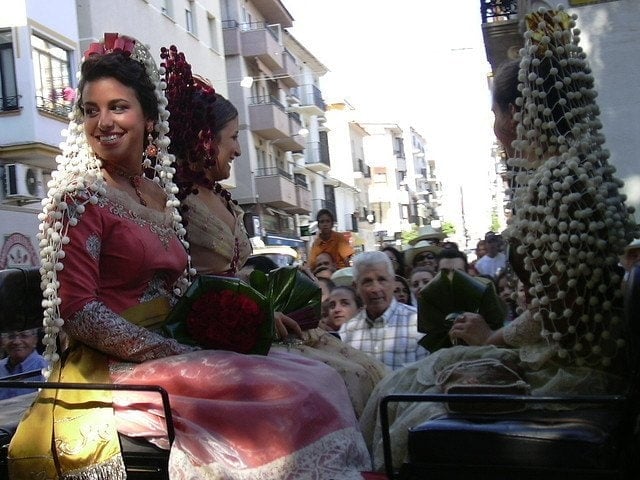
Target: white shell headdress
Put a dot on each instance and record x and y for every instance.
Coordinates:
(570, 222)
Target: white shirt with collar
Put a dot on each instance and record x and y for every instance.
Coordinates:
(391, 338)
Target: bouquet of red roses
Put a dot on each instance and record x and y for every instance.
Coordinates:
(222, 313)
(225, 313)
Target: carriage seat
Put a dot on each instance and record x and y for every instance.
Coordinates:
(21, 309)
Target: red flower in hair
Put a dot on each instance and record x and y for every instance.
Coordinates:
(112, 43)
(193, 142)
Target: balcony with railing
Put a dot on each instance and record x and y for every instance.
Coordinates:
(303, 196)
(317, 155)
(500, 29)
(276, 187)
(290, 73)
(254, 40)
(295, 142)
(268, 117)
(54, 106)
(361, 169)
(310, 98)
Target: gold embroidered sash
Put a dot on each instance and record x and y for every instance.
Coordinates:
(71, 434)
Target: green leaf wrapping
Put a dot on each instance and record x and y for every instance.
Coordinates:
(450, 292)
(293, 293)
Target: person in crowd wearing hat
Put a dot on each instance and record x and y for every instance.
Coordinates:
(384, 328)
(428, 233)
(630, 257)
(494, 261)
(343, 276)
(423, 254)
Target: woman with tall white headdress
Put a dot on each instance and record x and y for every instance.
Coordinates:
(569, 225)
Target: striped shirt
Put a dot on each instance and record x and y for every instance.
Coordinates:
(392, 338)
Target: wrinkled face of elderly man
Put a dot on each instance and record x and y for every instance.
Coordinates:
(19, 345)
(375, 285)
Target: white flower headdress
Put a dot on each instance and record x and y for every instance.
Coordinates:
(79, 175)
(570, 222)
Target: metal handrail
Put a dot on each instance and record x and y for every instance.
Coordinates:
(171, 434)
(473, 398)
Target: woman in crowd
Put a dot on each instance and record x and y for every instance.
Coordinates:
(569, 226)
(112, 258)
(359, 371)
(420, 278)
(329, 241)
(506, 286)
(402, 292)
(344, 304)
(397, 259)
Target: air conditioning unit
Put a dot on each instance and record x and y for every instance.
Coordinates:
(23, 182)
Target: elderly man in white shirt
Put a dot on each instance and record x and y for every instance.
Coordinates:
(384, 328)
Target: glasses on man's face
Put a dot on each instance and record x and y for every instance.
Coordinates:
(23, 335)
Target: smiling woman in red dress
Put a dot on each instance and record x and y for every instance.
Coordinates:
(113, 261)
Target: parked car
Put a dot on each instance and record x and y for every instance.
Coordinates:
(281, 254)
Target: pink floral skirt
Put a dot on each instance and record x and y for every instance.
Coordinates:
(246, 416)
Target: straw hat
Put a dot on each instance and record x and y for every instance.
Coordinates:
(418, 248)
(427, 232)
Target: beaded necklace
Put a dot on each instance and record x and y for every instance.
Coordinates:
(134, 180)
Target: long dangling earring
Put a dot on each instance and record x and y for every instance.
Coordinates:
(151, 152)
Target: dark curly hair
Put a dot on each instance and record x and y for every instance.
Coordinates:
(125, 70)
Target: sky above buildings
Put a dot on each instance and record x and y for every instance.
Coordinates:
(418, 62)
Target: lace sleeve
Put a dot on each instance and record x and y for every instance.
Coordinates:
(523, 330)
(100, 328)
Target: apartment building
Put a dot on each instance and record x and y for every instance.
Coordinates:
(38, 43)
(422, 182)
(274, 82)
(350, 175)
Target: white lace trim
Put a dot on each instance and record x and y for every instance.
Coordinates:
(341, 455)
